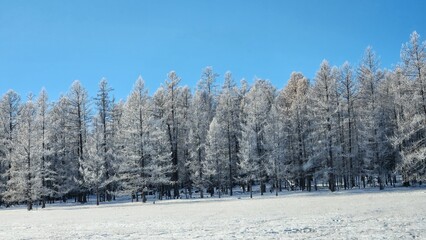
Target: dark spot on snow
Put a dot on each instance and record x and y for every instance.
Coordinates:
(299, 230)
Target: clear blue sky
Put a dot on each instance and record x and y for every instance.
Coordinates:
(52, 43)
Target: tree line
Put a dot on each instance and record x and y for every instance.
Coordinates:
(351, 126)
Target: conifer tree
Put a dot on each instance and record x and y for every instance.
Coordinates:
(76, 123)
(324, 134)
(257, 105)
(10, 106)
(25, 183)
(137, 148)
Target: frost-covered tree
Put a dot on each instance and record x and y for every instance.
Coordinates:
(117, 142)
(104, 105)
(42, 125)
(387, 123)
(94, 165)
(198, 134)
(10, 106)
(76, 124)
(25, 183)
(276, 141)
(348, 89)
(160, 167)
(216, 164)
(291, 104)
(410, 136)
(370, 77)
(62, 182)
(248, 164)
(227, 117)
(202, 114)
(184, 114)
(324, 135)
(172, 125)
(137, 148)
(257, 106)
(413, 57)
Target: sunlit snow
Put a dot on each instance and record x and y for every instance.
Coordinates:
(355, 214)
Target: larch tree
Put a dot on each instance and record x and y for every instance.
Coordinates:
(10, 106)
(202, 114)
(247, 166)
(25, 184)
(77, 122)
(292, 104)
(244, 176)
(227, 117)
(324, 134)
(388, 127)
(348, 88)
(280, 141)
(137, 149)
(172, 125)
(104, 105)
(203, 109)
(62, 181)
(275, 141)
(185, 116)
(257, 105)
(160, 167)
(370, 77)
(117, 142)
(411, 133)
(159, 113)
(216, 165)
(42, 124)
(94, 165)
(198, 134)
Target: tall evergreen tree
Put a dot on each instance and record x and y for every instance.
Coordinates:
(370, 77)
(104, 106)
(77, 122)
(184, 113)
(257, 105)
(348, 88)
(324, 134)
(160, 167)
(62, 182)
(292, 105)
(42, 125)
(202, 114)
(94, 167)
(215, 166)
(10, 107)
(25, 182)
(137, 149)
(172, 122)
(227, 116)
(410, 136)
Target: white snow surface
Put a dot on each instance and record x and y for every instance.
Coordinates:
(356, 214)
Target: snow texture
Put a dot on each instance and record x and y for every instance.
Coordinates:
(356, 214)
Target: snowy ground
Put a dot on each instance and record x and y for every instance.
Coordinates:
(357, 214)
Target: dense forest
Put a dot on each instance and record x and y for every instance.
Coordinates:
(349, 127)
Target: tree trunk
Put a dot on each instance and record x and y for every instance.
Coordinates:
(230, 162)
(143, 197)
(97, 196)
(251, 189)
(276, 187)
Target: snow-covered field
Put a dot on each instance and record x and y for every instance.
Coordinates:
(357, 214)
